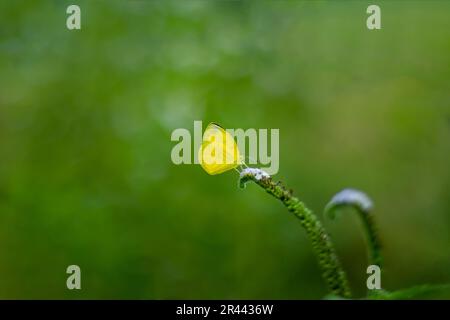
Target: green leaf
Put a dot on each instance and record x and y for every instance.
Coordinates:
(417, 292)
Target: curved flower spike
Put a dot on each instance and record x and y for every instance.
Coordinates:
(362, 203)
(349, 197)
(249, 174)
(332, 271)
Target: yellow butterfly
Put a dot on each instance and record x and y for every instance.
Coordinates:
(218, 152)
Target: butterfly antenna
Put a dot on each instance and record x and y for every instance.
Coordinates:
(242, 162)
(251, 159)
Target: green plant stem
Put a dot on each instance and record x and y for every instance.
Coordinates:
(332, 271)
(373, 241)
(363, 205)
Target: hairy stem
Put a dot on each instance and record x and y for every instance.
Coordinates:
(363, 205)
(374, 242)
(332, 271)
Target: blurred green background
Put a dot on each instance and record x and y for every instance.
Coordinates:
(86, 117)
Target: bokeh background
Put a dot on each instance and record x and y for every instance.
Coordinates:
(86, 117)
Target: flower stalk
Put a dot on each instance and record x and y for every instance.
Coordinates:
(328, 261)
(364, 206)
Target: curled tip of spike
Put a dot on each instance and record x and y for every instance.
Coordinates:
(349, 197)
(251, 174)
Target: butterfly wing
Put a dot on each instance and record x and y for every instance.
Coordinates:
(219, 151)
